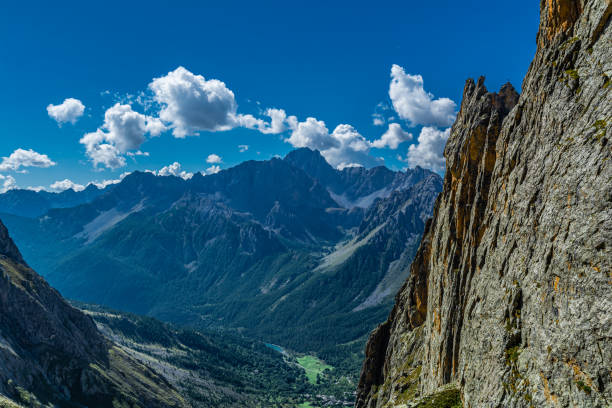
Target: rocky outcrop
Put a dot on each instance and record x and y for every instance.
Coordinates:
(509, 296)
(52, 353)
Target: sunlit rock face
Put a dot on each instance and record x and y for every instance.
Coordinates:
(509, 297)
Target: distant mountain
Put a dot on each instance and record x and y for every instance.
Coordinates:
(354, 186)
(29, 203)
(289, 250)
(51, 353)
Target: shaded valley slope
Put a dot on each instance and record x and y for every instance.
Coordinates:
(51, 353)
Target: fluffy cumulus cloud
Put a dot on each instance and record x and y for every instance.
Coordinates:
(106, 183)
(190, 103)
(213, 158)
(429, 151)
(7, 183)
(341, 148)
(278, 123)
(214, 169)
(392, 137)
(378, 119)
(174, 169)
(66, 184)
(413, 103)
(312, 133)
(68, 111)
(123, 130)
(25, 158)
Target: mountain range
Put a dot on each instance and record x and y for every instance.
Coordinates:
(284, 249)
(503, 295)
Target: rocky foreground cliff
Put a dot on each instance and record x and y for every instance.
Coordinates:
(509, 299)
(52, 354)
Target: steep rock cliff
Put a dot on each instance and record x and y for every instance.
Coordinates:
(509, 296)
(51, 353)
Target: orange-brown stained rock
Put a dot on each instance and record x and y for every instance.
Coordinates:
(562, 14)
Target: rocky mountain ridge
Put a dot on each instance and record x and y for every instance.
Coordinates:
(509, 296)
(51, 353)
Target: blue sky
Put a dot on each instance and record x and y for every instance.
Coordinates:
(329, 61)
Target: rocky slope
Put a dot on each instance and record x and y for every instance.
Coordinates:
(509, 296)
(51, 353)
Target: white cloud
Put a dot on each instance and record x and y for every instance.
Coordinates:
(62, 185)
(123, 130)
(106, 183)
(348, 165)
(138, 153)
(413, 103)
(7, 183)
(312, 133)
(378, 119)
(154, 126)
(243, 148)
(429, 151)
(191, 103)
(342, 147)
(174, 169)
(212, 170)
(278, 121)
(102, 153)
(392, 137)
(25, 158)
(68, 111)
(213, 158)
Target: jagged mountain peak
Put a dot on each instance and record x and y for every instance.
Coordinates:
(305, 155)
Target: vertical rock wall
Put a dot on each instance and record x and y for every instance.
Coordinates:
(510, 295)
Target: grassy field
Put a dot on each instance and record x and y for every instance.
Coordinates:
(313, 367)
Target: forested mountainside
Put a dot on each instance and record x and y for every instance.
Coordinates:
(222, 369)
(509, 296)
(290, 250)
(52, 354)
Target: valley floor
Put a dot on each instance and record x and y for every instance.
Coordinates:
(224, 369)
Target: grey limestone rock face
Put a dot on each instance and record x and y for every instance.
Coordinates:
(509, 299)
